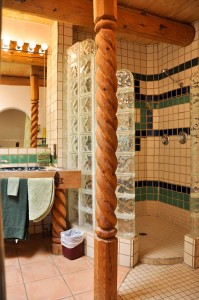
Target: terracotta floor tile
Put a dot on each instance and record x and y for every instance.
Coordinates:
(80, 282)
(85, 296)
(38, 271)
(50, 289)
(11, 258)
(16, 292)
(27, 256)
(67, 266)
(13, 276)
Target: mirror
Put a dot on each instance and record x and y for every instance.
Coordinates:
(16, 67)
(14, 122)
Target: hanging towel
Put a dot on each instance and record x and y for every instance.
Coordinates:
(13, 186)
(15, 211)
(40, 197)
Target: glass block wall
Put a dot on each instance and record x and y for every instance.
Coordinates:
(79, 138)
(79, 95)
(126, 154)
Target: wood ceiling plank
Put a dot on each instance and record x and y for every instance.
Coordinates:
(130, 22)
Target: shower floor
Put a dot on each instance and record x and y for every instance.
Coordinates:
(160, 241)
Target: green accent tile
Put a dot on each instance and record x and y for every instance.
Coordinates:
(165, 192)
(186, 198)
(170, 201)
(143, 190)
(161, 104)
(137, 126)
(155, 105)
(143, 105)
(175, 202)
(169, 101)
(186, 206)
(175, 195)
(161, 198)
(143, 113)
(5, 157)
(143, 126)
(14, 159)
(187, 99)
(180, 196)
(32, 158)
(180, 204)
(23, 158)
(181, 100)
(175, 101)
(143, 119)
(150, 197)
(165, 199)
(137, 191)
(166, 104)
(137, 197)
(137, 104)
(170, 193)
(143, 197)
(149, 190)
(155, 190)
(156, 197)
(161, 191)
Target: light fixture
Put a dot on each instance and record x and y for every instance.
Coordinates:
(43, 48)
(31, 46)
(19, 45)
(6, 43)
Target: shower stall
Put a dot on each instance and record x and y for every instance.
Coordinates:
(153, 202)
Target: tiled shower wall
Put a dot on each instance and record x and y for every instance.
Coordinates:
(162, 107)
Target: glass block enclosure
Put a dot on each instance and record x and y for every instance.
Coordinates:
(79, 138)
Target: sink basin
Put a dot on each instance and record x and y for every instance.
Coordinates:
(22, 169)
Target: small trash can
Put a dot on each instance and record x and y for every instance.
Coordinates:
(72, 241)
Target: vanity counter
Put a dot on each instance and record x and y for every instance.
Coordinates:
(64, 179)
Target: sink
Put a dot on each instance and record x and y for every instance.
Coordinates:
(22, 169)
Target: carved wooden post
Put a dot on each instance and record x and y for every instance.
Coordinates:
(105, 256)
(58, 220)
(34, 86)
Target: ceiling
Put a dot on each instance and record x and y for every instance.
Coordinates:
(177, 10)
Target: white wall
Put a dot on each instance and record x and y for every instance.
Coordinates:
(25, 30)
(18, 97)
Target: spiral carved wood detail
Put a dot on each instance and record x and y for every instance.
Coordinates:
(106, 181)
(34, 123)
(58, 215)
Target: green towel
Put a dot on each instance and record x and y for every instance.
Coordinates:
(15, 211)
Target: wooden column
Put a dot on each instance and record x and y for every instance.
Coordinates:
(105, 254)
(59, 222)
(34, 87)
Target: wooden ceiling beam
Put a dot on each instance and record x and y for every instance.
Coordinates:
(130, 22)
(18, 81)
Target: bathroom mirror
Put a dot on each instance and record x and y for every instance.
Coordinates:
(16, 68)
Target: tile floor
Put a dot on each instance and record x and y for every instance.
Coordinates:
(163, 242)
(33, 273)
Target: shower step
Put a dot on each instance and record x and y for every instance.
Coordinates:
(161, 261)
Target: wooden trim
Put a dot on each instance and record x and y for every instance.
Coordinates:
(130, 22)
(24, 56)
